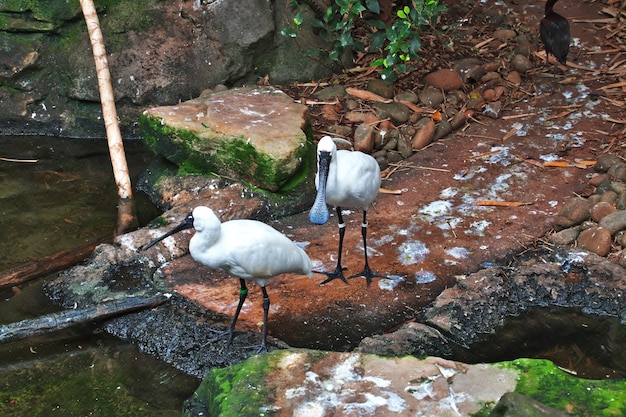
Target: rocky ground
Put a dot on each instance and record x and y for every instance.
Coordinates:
(497, 186)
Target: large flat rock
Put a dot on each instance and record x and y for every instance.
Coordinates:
(255, 135)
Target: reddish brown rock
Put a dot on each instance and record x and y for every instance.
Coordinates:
(601, 209)
(445, 79)
(595, 239)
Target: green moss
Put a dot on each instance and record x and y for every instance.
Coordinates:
(544, 382)
(44, 10)
(229, 156)
(237, 391)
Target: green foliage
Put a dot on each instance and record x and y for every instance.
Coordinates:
(402, 40)
(399, 43)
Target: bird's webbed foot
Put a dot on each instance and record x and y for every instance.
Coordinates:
(368, 274)
(332, 275)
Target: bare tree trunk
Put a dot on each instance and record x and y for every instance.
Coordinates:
(114, 137)
(66, 318)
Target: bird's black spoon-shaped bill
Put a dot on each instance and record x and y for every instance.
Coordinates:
(319, 211)
(186, 224)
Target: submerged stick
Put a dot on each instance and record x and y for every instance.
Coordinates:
(64, 319)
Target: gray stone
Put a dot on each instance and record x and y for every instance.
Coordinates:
(398, 112)
(605, 162)
(574, 211)
(521, 63)
(328, 93)
(431, 96)
(565, 236)
(380, 87)
(161, 53)
(614, 222)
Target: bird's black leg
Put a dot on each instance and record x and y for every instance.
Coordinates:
(243, 293)
(367, 272)
(266, 309)
(338, 272)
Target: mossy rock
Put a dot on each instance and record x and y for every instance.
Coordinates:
(254, 135)
(288, 380)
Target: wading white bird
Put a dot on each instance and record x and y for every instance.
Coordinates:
(344, 179)
(247, 249)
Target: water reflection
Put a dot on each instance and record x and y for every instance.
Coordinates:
(57, 194)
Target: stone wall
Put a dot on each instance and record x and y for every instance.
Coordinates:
(159, 53)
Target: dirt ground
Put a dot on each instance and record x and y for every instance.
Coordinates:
(433, 229)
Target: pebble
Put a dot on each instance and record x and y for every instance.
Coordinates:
(504, 34)
(521, 63)
(340, 130)
(514, 77)
(618, 171)
(565, 237)
(398, 112)
(596, 239)
(598, 179)
(364, 138)
(444, 79)
(574, 211)
(405, 146)
(443, 129)
(356, 116)
(409, 96)
(329, 93)
(493, 94)
(602, 209)
(470, 69)
(493, 110)
(380, 87)
(431, 97)
(604, 162)
(614, 222)
(425, 134)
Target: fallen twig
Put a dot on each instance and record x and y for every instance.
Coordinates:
(64, 319)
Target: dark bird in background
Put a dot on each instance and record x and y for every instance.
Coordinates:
(555, 34)
(247, 249)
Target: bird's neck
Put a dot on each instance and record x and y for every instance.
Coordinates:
(549, 6)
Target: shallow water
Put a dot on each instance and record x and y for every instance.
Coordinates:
(57, 194)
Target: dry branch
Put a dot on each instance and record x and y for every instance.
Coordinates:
(49, 264)
(62, 320)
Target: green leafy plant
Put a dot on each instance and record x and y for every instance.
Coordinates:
(402, 41)
(399, 43)
(336, 26)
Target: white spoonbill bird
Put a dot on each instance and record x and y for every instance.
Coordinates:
(247, 249)
(344, 179)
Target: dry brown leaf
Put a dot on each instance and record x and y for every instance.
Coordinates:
(367, 95)
(414, 107)
(388, 191)
(329, 112)
(566, 164)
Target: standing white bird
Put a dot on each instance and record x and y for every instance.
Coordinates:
(344, 179)
(247, 249)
